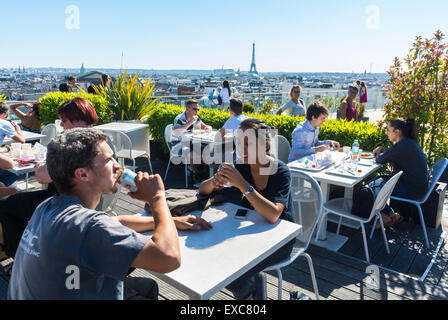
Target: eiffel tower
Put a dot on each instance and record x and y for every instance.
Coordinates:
(253, 67)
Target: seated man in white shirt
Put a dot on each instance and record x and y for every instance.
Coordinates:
(230, 128)
(185, 122)
(232, 125)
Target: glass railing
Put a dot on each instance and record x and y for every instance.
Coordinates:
(330, 97)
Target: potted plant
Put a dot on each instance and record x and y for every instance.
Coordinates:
(130, 98)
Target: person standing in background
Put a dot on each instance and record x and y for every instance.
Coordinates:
(348, 108)
(363, 93)
(295, 106)
(225, 95)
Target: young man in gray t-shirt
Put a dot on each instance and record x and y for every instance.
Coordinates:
(71, 251)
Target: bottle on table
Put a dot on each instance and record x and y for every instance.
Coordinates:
(355, 150)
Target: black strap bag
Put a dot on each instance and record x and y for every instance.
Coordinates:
(181, 201)
(363, 199)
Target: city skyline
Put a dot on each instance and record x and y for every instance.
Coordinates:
(290, 36)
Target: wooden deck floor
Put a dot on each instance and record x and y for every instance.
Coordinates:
(340, 275)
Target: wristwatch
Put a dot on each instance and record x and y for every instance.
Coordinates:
(250, 189)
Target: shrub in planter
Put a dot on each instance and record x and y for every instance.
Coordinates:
(368, 134)
(51, 102)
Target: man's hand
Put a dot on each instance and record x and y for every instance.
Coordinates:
(335, 144)
(191, 223)
(193, 120)
(16, 127)
(322, 148)
(150, 187)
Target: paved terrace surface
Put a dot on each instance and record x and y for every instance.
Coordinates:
(340, 275)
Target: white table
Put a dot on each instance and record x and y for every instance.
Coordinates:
(29, 137)
(326, 239)
(18, 170)
(136, 131)
(208, 138)
(212, 259)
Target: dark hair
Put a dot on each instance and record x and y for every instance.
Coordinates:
(71, 78)
(315, 109)
(191, 102)
(226, 84)
(4, 108)
(91, 90)
(236, 105)
(63, 87)
(35, 108)
(75, 148)
(256, 125)
(407, 127)
(353, 88)
(104, 79)
(78, 109)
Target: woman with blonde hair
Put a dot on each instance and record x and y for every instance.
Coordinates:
(295, 106)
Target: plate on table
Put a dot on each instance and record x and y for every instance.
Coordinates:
(366, 155)
(309, 165)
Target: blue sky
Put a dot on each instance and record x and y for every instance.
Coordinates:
(290, 35)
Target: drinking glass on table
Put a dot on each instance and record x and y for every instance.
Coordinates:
(26, 149)
(227, 185)
(16, 149)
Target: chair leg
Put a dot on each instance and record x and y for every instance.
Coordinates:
(384, 234)
(280, 283)
(366, 249)
(320, 223)
(313, 275)
(374, 226)
(422, 221)
(186, 175)
(167, 168)
(339, 225)
(150, 165)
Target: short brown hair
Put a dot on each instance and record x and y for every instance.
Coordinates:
(315, 109)
(191, 102)
(71, 78)
(236, 105)
(4, 108)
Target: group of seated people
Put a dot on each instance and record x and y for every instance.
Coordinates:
(62, 226)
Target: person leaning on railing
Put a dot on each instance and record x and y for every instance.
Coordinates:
(30, 121)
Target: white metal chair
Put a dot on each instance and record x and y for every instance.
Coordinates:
(125, 150)
(434, 175)
(178, 152)
(50, 132)
(283, 148)
(309, 222)
(342, 208)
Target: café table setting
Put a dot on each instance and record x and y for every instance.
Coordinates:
(340, 168)
(25, 157)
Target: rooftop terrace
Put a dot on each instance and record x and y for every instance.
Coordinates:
(404, 273)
